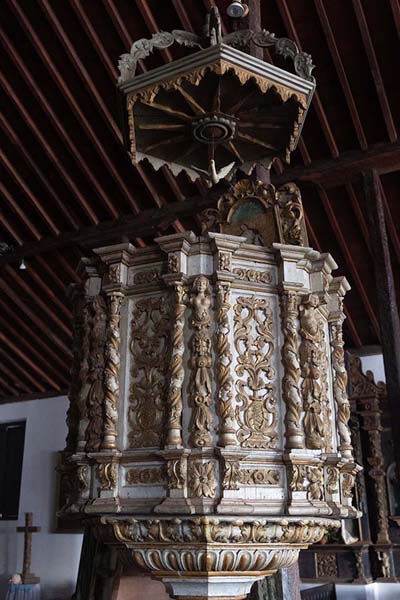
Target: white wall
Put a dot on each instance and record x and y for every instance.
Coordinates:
(374, 363)
(55, 556)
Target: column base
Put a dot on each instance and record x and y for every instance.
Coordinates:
(225, 587)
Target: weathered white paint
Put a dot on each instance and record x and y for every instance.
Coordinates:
(55, 556)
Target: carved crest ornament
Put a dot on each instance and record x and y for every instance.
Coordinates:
(208, 419)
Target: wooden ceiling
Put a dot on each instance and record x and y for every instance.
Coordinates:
(64, 174)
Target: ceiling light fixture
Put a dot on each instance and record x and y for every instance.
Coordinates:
(237, 9)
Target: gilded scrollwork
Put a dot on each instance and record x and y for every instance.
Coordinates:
(256, 411)
(291, 215)
(111, 373)
(202, 481)
(148, 276)
(312, 339)
(292, 373)
(326, 565)
(149, 345)
(107, 475)
(200, 391)
(297, 475)
(315, 488)
(177, 473)
(95, 396)
(176, 371)
(340, 388)
(223, 361)
(332, 479)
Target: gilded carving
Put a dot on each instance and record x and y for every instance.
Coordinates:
(259, 477)
(145, 476)
(223, 361)
(107, 475)
(224, 261)
(177, 473)
(312, 338)
(111, 373)
(215, 530)
(297, 477)
(202, 481)
(114, 273)
(231, 475)
(291, 215)
(325, 564)
(173, 263)
(315, 488)
(176, 371)
(256, 402)
(95, 396)
(149, 345)
(340, 388)
(291, 379)
(253, 275)
(200, 362)
(332, 479)
(348, 480)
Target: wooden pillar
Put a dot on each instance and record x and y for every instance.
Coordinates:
(387, 302)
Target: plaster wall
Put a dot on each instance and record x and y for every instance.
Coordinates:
(55, 556)
(374, 363)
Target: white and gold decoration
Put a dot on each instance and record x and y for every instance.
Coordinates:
(209, 413)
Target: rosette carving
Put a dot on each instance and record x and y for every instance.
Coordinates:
(254, 343)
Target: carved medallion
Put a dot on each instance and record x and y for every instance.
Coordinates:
(202, 481)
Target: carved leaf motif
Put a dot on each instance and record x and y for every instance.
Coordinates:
(145, 476)
(259, 477)
(254, 343)
(253, 275)
(149, 345)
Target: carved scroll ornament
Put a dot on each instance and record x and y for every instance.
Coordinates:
(340, 388)
(256, 402)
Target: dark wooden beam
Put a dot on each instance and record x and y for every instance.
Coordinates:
(375, 69)
(33, 396)
(387, 302)
(341, 72)
(147, 223)
(384, 158)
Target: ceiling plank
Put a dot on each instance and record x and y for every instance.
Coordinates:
(18, 367)
(17, 142)
(284, 11)
(375, 69)
(341, 72)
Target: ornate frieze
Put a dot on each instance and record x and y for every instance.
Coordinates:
(148, 347)
(253, 276)
(311, 350)
(200, 390)
(291, 379)
(256, 411)
(145, 476)
(148, 276)
(259, 477)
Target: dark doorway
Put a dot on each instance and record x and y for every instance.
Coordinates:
(12, 437)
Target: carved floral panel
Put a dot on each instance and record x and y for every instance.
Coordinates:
(149, 353)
